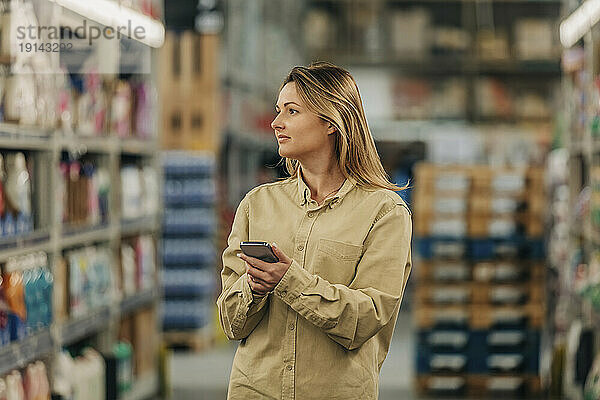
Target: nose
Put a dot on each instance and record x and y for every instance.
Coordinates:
(277, 124)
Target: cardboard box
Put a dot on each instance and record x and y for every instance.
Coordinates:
(61, 291)
(126, 330)
(189, 64)
(443, 271)
(191, 124)
(145, 342)
(486, 226)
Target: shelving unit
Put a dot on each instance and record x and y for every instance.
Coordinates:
(53, 237)
(576, 316)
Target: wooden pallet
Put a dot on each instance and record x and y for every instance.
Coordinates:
(195, 340)
(480, 386)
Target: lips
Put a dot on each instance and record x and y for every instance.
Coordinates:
(282, 137)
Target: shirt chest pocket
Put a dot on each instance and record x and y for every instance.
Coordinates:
(336, 261)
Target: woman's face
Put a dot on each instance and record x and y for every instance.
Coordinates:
(300, 133)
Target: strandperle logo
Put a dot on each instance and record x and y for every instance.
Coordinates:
(83, 31)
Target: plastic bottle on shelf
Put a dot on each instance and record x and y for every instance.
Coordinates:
(103, 187)
(44, 384)
(2, 182)
(121, 110)
(4, 326)
(14, 386)
(2, 389)
(63, 376)
(15, 298)
(46, 289)
(123, 353)
(18, 191)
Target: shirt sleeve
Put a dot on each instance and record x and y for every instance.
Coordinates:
(239, 309)
(351, 315)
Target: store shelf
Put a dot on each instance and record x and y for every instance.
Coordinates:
(30, 243)
(139, 225)
(82, 327)
(83, 236)
(138, 147)
(87, 144)
(14, 138)
(140, 300)
(443, 65)
(20, 353)
(144, 388)
(29, 134)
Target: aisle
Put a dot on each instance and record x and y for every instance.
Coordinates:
(204, 376)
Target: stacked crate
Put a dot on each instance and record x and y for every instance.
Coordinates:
(480, 280)
(189, 255)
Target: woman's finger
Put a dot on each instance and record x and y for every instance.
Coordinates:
(257, 286)
(257, 273)
(255, 262)
(258, 280)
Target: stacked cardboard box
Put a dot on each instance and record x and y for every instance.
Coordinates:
(189, 88)
(480, 290)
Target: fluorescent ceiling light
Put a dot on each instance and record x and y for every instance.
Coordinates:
(579, 22)
(109, 13)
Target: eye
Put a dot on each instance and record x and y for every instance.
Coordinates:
(292, 111)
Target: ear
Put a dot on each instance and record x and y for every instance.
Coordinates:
(331, 129)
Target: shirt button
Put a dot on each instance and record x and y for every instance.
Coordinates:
(300, 247)
(311, 214)
(283, 292)
(289, 367)
(291, 327)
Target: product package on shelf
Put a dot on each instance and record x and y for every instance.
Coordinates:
(480, 290)
(138, 265)
(139, 191)
(16, 187)
(83, 377)
(135, 330)
(189, 254)
(85, 190)
(27, 292)
(90, 105)
(91, 283)
(33, 383)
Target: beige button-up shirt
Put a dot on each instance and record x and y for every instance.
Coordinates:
(325, 330)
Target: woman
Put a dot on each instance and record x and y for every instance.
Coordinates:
(318, 323)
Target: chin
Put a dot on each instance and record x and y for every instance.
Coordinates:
(283, 152)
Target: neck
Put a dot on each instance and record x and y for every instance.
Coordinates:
(322, 180)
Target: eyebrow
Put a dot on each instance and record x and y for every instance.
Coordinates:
(289, 102)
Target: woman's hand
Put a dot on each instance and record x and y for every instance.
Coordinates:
(264, 276)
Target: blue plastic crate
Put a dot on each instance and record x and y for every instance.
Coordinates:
(444, 340)
(433, 361)
(189, 192)
(186, 314)
(198, 221)
(441, 247)
(190, 283)
(181, 163)
(517, 246)
(188, 251)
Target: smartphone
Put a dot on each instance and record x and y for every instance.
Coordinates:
(260, 250)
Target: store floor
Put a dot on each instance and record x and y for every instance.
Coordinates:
(204, 376)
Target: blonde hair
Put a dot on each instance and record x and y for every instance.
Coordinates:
(331, 93)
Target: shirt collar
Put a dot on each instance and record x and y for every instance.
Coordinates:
(304, 191)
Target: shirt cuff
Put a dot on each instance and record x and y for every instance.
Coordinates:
(247, 294)
(293, 282)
